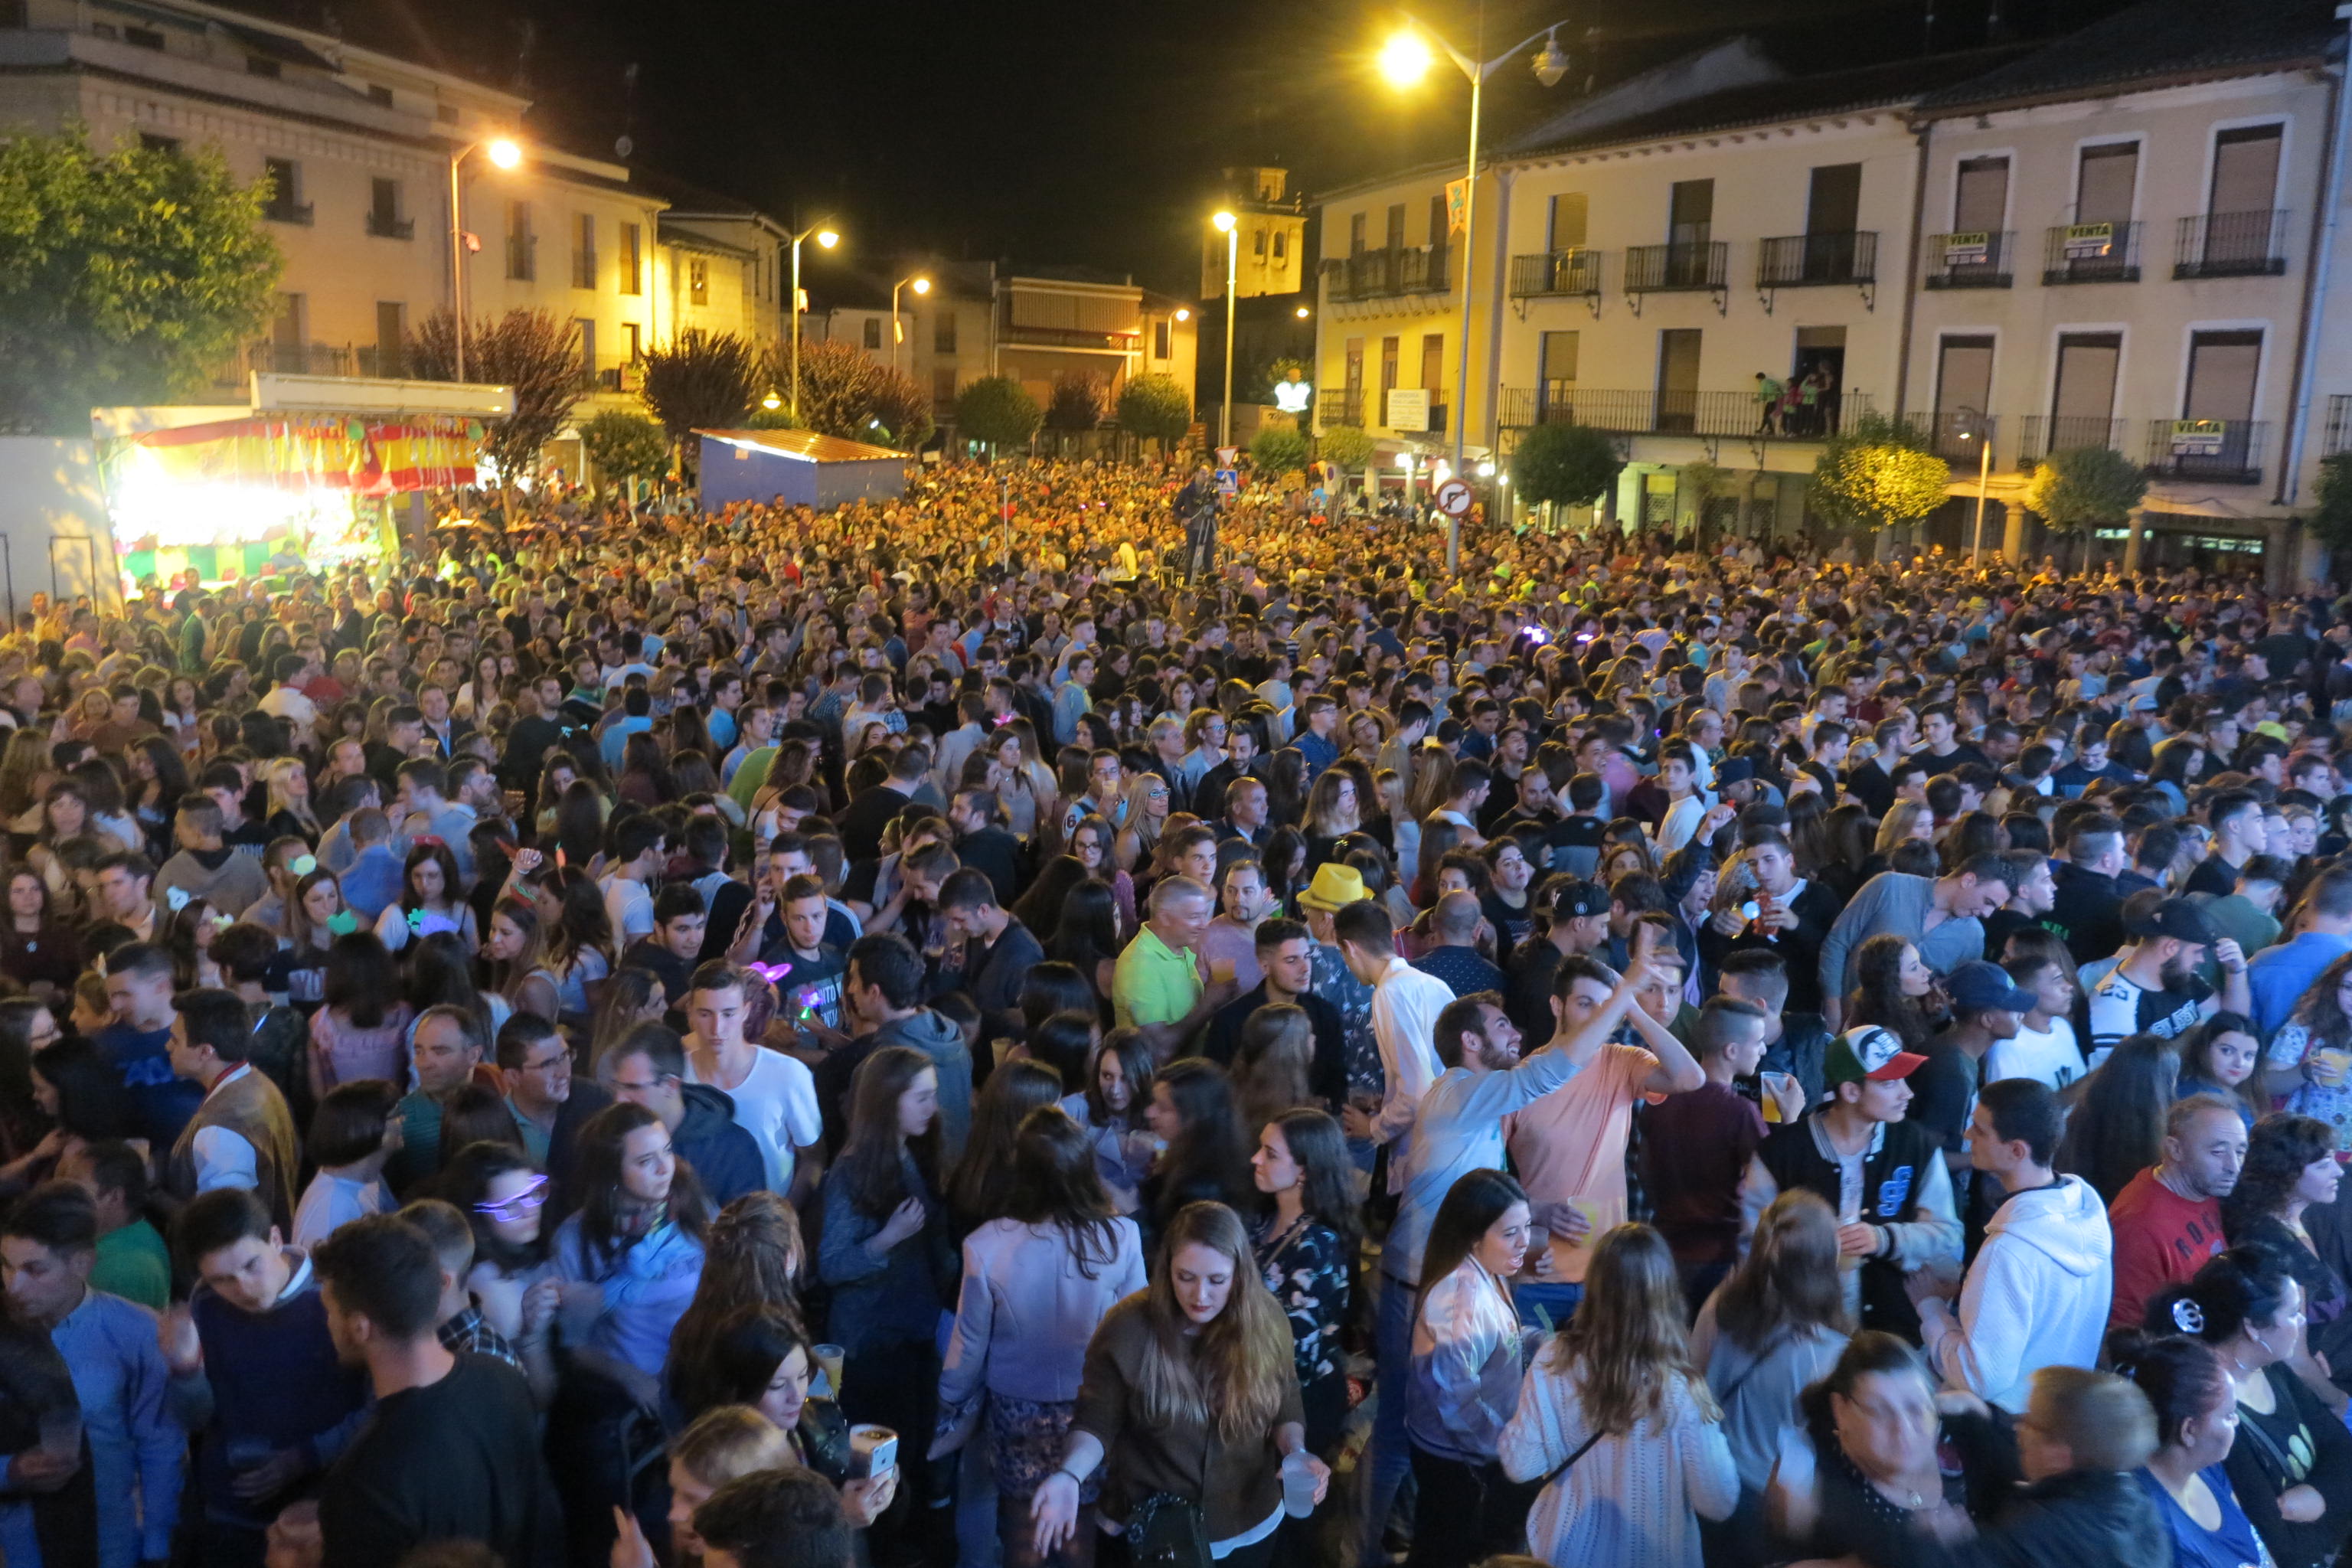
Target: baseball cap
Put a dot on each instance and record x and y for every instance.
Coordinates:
(1868, 1052)
(1734, 770)
(2179, 918)
(1576, 900)
(1977, 986)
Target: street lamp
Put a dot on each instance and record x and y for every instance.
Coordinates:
(505, 152)
(1976, 425)
(827, 238)
(1231, 228)
(922, 286)
(1405, 60)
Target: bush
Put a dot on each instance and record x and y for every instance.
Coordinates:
(1877, 473)
(1569, 465)
(2084, 488)
(1155, 408)
(1347, 445)
(624, 446)
(1278, 449)
(995, 409)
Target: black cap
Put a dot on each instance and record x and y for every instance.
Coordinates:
(2181, 919)
(1576, 900)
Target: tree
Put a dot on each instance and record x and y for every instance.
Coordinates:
(1076, 403)
(1155, 408)
(536, 353)
(1877, 474)
(995, 409)
(2332, 519)
(702, 379)
(624, 446)
(1564, 465)
(1704, 482)
(1347, 446)
(1278, 449)
(845, 393)
(126, 277)
(2083, 488)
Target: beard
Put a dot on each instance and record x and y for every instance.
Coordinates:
(2174, 972)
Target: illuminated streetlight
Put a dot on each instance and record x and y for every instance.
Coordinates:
(921, 285)
(505, 152)
(1404, 60)
(1224, 222)
(771, 402)
(1182, 314)
(825, 236)
(1302, 312)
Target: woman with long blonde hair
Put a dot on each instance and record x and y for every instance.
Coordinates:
(1903, 819)
(1619, 1425)
(289, 812)
(1190, 1390)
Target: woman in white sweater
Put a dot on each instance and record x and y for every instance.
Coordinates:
(1619, 1425)
(1036, 1282)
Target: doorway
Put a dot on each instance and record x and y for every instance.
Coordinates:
(1819, 364)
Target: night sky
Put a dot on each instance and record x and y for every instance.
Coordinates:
(1076, 131)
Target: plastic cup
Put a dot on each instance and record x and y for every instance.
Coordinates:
(828, 1360)
(1297, 1486)
(2334, 1066)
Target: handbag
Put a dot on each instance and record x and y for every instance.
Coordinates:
(1164, 1530)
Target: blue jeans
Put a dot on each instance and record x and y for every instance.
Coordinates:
(1557, 1302)
(1390, 1454)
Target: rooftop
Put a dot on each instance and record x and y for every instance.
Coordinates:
(2156, 41)
(807, 445)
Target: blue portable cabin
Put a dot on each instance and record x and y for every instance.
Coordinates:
(797, 466)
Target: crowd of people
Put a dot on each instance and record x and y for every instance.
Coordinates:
(908, 1036)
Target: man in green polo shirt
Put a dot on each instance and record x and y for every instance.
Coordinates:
(1158, 987)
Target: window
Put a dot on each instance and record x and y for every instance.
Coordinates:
(383, 219)
(873, 331)
(633, 339)
(1432, 363)
(587, 331)
(943, 333)
(380, 94)
(2221, 371)
(522, 245)
(2082, 400)
(1679, 378)
(1564, 225)
(943, 387)
(1556, 355)
(1690, 212)
(1395, 240)
(697, 280)
(1281, 243)
(1160, 333)
(2245, 169)
(583, 251)
(2109, 176)
(1963, 384)
(391, 338)
(255, 66)
(632, 258)
(1439, 230)
(154, 143)
(285, 189)
(1356, 234)
(289, 335)
(1388, 370)
(145, 37)
(1980, 196)
(1257, 242)
(1834, 204)
(1351, 377)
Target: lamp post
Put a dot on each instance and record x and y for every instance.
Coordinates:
(922, 286)
(1231, 228)
(827, 238)
(1976, 426)
(1405, 60)
(507, 153)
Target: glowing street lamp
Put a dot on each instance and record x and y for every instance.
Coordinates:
(504, 152)
(1404, 60)
(921, 285)
(825, 236)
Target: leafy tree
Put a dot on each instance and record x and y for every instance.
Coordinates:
(1877, 474)
(702, 379)
(1347, 446)
(536, 353)
(1278, 449)
(2332, 520)
(1156, 408)
(845, 393)
(624, 446)
(1076, 403)
(2083, 488)
(126, 277)
(1564, 465)
(997, 410)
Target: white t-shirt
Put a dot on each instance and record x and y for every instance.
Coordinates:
(2051, 1056)
(630, 907)
(332, 1201)
(776, 1104)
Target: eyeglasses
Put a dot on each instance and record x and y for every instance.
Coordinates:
(533, 1196)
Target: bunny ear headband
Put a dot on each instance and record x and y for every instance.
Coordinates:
(176, 898)
(773, 974)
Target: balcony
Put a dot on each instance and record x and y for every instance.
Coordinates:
(1070, 338)
(2039, 435)
(373, 359)
(1575, 272)
(1981, 259)
(1805, 260)
(2216, 451)
(2091, 253)
(1951, 434)
(1386, 274)
(1694, 266)
(297, 213)
(2232, 245)
(1714, 415)
(1338, 407)
(2338, 436)
(384, 225)
(274, 358)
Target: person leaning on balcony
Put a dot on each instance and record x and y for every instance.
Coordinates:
(1768, 402)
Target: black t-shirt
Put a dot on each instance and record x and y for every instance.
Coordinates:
(456, 1459)
(1944, 1092)
(2213, 875)
(1959, 756)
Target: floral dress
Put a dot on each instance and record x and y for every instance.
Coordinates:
(1332, 980)
(1307, 1267)
(2332, 1104)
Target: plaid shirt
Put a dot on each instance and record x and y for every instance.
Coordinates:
(469, 1332)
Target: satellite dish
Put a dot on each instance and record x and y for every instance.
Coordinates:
(622, 146)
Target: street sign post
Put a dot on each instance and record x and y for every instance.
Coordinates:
(1454, 498)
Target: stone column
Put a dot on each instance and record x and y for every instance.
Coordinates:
(2132, 542)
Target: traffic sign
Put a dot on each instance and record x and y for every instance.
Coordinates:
(1228, 482)
(1454, 498)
